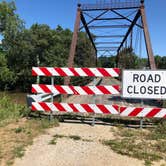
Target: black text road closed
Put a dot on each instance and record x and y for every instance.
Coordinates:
(148, 84)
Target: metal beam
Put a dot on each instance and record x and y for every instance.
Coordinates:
(107, 50)
(147, 39)
(108, 26)
(109, 19)
(125, 18)
(110, 36)
(95, 18)
(110, 8)
(130, 29)
(73, 44)
(107, 43)
(107, 47)
(87, 30)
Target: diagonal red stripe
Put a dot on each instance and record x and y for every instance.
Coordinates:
(104, 72)
(34, 73)
(74, 90)
(153, 112)
(135, 112)
(122, 109)
(117, 70)
(33, 108)
(74, 71)
(88, 72)
(45, 71)
(45, 88)
(116, 107)
(87, 108)
(60, 107)
(88, 90)
(73, 108)
(60, 89)
(33, 90)
(45, 106)
(60, 71)
(104, 90)
(117, 87)
(103, 109)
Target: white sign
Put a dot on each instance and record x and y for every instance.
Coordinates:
(144, 84)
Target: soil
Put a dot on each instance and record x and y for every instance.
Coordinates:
(87, 151)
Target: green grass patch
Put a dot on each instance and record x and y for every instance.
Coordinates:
(159, 132)
(18, 151)
(16, 136)
(10, 111)
(148, 145)
(73, 137)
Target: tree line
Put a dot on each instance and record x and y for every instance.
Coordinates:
(127, 59)
(39, 45)
(23, 48)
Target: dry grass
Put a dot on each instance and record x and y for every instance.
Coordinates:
(147, 145)
(73, 137)
(16, 136)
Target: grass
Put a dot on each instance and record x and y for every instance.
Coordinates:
(16, 132)
(16, 136)
(55, 137)
(18, 151)
(148, 145)
(9, 111)
(73, 137)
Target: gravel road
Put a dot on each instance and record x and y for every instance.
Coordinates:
(68, 152)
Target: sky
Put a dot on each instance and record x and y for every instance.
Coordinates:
(63, 12)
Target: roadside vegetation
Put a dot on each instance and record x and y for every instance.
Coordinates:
(73, 137)
(16, 132)
(148, 145)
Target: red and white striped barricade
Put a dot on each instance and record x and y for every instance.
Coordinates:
(143, 112)
(77, 108)
(75, 90)
(81, 72)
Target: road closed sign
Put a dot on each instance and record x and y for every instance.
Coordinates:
(144, 84)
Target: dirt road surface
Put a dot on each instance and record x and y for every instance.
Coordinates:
(87, 151)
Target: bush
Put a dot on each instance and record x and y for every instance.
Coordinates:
(9, 111)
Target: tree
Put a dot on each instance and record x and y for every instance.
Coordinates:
(85, 54)
(127, 59)
(10, 24)
(107, 62)
(162, 63)
(7, 77)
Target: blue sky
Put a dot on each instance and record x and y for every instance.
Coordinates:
(62, 12)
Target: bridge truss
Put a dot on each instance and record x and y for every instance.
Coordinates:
(110, 25)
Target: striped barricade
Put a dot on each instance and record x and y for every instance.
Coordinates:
(81, 72)
(77, 108)
(143, 112)
(75, 90)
